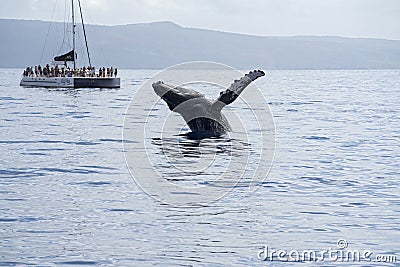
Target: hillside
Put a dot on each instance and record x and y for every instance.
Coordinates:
(161, 44)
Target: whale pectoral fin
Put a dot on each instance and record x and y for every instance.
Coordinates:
(174, 95)
(229, 95)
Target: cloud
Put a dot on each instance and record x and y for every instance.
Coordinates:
(353, 18)
(96, 4)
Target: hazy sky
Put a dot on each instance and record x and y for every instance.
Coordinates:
(352, 18)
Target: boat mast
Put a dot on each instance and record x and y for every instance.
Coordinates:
(84, 33)
(73, 31)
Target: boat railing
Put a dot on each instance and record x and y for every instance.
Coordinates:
(63, 72)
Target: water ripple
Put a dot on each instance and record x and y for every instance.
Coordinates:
(67, 198)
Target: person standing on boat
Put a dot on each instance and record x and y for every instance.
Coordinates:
(115, 72)
(56, 70)
(104, 72)
(47, 70)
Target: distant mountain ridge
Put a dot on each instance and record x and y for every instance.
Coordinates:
(160, 44)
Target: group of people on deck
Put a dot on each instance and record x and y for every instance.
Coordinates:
(56, 71)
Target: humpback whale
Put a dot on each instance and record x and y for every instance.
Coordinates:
(203, 116)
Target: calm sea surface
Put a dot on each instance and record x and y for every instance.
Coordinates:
(67, 197)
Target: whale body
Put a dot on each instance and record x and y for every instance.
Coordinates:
(203, 116)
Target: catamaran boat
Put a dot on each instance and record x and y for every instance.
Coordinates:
(62, 74)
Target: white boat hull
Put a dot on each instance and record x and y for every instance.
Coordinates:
(71, 82)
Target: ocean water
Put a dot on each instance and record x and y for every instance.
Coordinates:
(67, 196)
